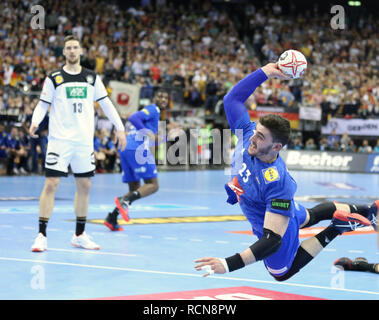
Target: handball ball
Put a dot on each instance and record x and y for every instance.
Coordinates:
(292, 63)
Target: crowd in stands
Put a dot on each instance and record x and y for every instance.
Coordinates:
(343, 65)
(199, 48)
(334, 142)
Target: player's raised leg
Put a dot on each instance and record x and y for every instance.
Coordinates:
(325, 211)
(341, 222)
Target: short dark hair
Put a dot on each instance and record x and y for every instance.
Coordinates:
(70, 38)
(161, 90)
(279, 127)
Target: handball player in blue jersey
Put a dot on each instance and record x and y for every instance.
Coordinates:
(137, 160)
(265, 191)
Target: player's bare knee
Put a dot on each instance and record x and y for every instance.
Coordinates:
(83, 185)
(155, 186)
(51, 185)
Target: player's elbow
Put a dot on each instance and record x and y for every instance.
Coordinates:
(155, 187)
(136, 121)
(266, 245)
(228, 98)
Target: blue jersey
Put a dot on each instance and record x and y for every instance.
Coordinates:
(258, 186)
(3, 145)
(266, 186)
(13, 143)
(150, 119)
(3, 138)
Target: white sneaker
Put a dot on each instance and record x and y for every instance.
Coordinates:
(40, 243)
(84, 241)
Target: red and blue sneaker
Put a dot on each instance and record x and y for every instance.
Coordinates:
(373, 214)
(112, 224)
(345, 222)
(123, 207)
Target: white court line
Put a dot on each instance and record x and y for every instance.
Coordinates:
(356, 251)
(185, 274)
(146, 237)
(190, 191)
(92, 252)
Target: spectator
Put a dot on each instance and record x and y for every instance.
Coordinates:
(376, 148)
(344, 140)
(298, 145)
(105, 151)
(286, 98)
(323, 144)
(351, 147)
(332, 139)
(365, 147)
(310, 144)
(3, 146)
(24, 153)
(14, 151)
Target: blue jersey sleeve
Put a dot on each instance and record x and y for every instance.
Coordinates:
(96, 144)
(234, 100)
(139, 118)
(279, 192)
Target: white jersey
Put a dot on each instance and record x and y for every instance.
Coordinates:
(72, 97)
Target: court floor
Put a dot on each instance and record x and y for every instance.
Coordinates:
(153, 258)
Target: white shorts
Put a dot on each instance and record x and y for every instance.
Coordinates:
(61, 154)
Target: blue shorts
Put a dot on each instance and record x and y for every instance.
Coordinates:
(134, 170)
(281, 261)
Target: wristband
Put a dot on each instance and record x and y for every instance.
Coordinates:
(235, 262)
(223, 261)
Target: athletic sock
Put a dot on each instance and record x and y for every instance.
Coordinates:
(361, 264)
(327, 235)
(323, 211)
(130, 198)
(80, 225)
(42, 223)
(114, 213)
(135, 195)
(360, 209)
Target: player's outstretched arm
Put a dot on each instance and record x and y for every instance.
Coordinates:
(234, 100)
(275, 226)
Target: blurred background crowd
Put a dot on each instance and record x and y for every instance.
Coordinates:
(197, 50)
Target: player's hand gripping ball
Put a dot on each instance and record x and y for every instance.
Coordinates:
(292, 63)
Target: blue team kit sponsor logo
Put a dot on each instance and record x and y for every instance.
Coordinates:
(270, 174)
(373, 163)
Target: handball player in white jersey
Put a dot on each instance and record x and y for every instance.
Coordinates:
(70, 93)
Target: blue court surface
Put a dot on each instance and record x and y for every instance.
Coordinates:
(153, 258)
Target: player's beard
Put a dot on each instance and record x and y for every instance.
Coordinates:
(255, 152)
(73, 61)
